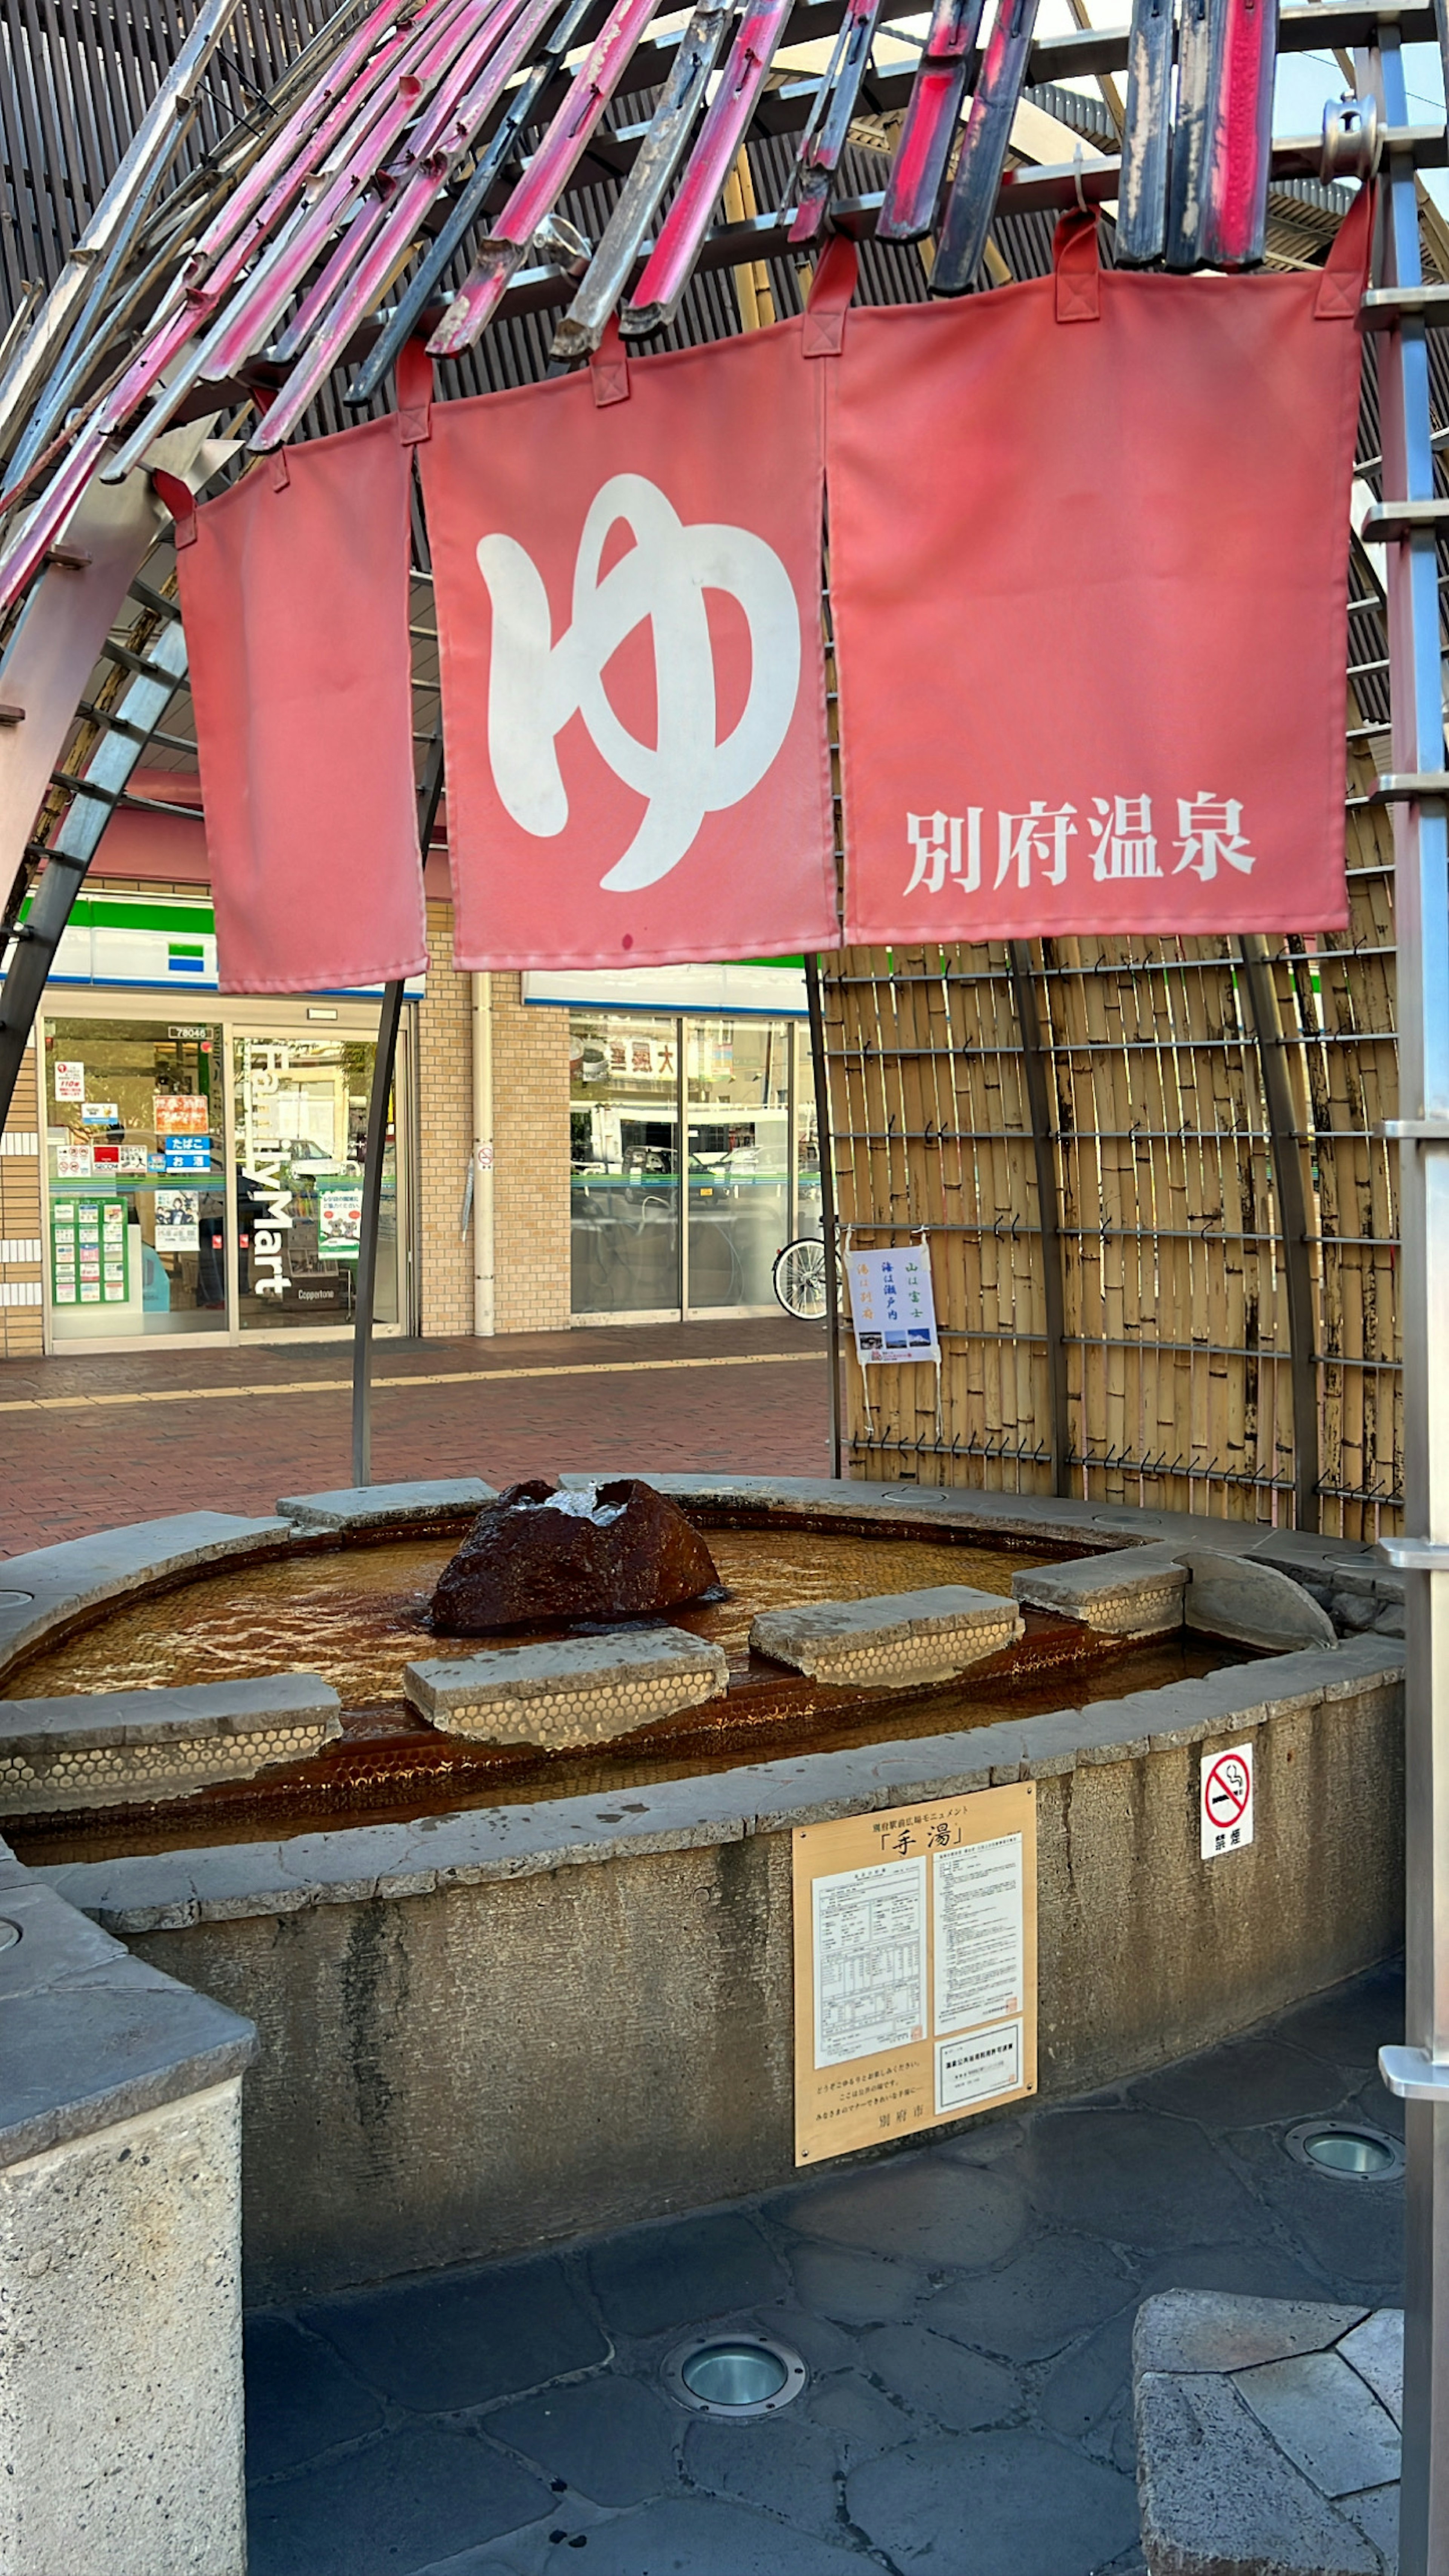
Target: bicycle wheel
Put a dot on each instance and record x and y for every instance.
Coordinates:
(799, 1278)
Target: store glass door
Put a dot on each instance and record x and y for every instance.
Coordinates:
(738, 1089)
(299, 1131)
(134, 1131)
(624, 1164)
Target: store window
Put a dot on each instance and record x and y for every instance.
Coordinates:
(660, 1231)
(300, 1128)
(206, 1176)
(135, 1159)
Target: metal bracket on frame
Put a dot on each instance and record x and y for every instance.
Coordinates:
(1389, 521)
(1414, 2075)
(1415, 1555)
(1409, 787)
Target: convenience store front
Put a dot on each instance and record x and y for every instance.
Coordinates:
(202, 1158)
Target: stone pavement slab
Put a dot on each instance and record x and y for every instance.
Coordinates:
(611, 2440)
(377, 2508)
(462, 2337)
(1376, 2351)
(1009, 2504)
(1326, 2420)
(1057, 2288)
(1213, 2480)
(657, 2277)
(1135, 2177)
(938, 2379)
(965, 2312)
(929, 2212)
(301, 2399)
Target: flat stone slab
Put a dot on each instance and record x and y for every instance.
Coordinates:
(896, 1637)
(1263, 2444)
(1133, 1592)
(573, 1690)
(109, 1748)
(358, 1507)
(90, 2036)
(1254, 1605)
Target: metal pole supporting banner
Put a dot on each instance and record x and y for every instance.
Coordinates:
(1407, 523)
(827, 1205)
(429, 797)
(1260, 985)
(1054, 1300)
(382, 1079)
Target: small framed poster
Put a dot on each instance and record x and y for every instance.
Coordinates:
(893, 1306)
(915, 1968)
(178, 1214)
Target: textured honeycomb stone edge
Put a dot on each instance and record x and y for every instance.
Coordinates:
(172, 1890)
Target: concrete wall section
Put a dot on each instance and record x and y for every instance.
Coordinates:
(120, 2256)
(467, 2048)
(120, 2359)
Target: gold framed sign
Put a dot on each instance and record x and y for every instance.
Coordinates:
(915, 1968)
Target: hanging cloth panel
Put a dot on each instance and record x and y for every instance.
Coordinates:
(294, 594)
(1088, 562)
(628, 587)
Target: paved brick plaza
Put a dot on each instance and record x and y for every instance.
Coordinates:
(91, 1442)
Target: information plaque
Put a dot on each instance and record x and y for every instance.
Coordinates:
(915, 1968)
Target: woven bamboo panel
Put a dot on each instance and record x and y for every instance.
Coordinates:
(1167, 1226)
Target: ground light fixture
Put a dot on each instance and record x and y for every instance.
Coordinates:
(1347, 2151)
(734, 2375)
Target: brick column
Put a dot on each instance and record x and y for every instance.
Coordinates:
(531, 1166)
(21, 1248)
(445, 1119)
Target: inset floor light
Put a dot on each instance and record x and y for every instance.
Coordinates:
(1348, 2153)
(737, 2375)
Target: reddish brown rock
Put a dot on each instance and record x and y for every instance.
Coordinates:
(617, 1551)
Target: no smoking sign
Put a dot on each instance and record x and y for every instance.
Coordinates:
(1227, 1800)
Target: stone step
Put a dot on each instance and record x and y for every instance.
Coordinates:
(132, 1748)
(570, 1690)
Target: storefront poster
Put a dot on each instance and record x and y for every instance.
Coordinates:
(892, 1306)
(339, 1221)
(177, 1220)
(90, 1255)
(74, 1161)
(187, 1154)
(100, 1113)
(133, 1158)
(181, 1113)
(70, 1081)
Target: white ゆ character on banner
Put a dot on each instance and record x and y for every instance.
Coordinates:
(537, 685)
